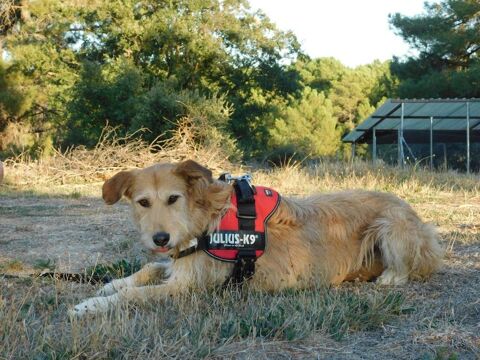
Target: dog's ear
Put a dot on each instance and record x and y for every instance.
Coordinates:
(208, 194)
(192, 171)
(114, 188)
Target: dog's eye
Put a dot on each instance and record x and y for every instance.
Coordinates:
(172, 199)
(144, 203)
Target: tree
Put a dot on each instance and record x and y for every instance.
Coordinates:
(39, 58)
(306, 126)
(446, 40)
(359, 91)
(83, 63)
(320, 74)
(209, 46)
(72, 66)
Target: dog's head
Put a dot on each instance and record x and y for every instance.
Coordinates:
(171, 203)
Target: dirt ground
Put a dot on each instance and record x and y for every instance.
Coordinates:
(75, 233)
(72, 234)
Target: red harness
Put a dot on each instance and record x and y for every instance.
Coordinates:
(234, 237)
(241, 237)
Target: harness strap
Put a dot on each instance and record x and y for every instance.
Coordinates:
(187, 251)
(246, 212)
(244, 266)
(201, 244)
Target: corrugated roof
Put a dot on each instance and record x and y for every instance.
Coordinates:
(448, 115)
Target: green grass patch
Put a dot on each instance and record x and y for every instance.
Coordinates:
(74, 195)
(296, 315)
(441, 353)
(42, 264)
(118, 269)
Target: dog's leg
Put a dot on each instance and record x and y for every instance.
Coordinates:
(137, 295)
(140, 278)
(94, 305)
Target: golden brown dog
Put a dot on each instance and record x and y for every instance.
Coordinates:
(331, 237)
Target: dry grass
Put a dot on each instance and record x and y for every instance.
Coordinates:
(79, 166)
(195, 325)
(433, 320)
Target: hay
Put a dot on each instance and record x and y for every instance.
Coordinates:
(113, 153)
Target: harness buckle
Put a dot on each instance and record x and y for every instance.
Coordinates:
(247, 217)
(229, 178)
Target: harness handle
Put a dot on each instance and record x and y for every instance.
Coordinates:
(229, 178)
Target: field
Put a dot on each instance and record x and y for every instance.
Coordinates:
(52, 219)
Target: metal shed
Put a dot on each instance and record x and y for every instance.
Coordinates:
(424, 121)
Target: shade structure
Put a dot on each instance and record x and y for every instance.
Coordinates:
(449, 115)
(417, 121)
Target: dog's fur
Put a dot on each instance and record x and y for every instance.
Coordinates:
(328, 238)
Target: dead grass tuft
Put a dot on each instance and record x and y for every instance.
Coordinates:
(112, 153)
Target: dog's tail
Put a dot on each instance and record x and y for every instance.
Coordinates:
(408, 247)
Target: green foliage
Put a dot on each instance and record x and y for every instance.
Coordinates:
(91, 62)
(188, 52)
(40, 68)
(119, 269)
(105, 95)
(446, 39)
(162, 109)
(217, 67)
(12, 103)
(352, 94)
(42, 264)
(320, 74)
(306, 126)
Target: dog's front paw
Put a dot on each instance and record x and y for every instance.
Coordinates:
(93, 305)
(108, 289)
(115, 286)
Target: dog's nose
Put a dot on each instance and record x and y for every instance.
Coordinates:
(161, 238)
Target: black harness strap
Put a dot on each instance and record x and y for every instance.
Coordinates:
(201, 244)
(187, 251)
(246, 213)
(244, 267)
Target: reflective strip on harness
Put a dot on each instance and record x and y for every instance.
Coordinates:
(226, 242)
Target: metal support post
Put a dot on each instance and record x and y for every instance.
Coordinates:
(468, 137)
(374, 147)
(400, 138)
(431, 142)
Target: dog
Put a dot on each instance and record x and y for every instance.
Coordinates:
(327, 238)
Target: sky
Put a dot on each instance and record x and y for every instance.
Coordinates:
(354, 31)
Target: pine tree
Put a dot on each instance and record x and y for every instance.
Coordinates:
(446, 40)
